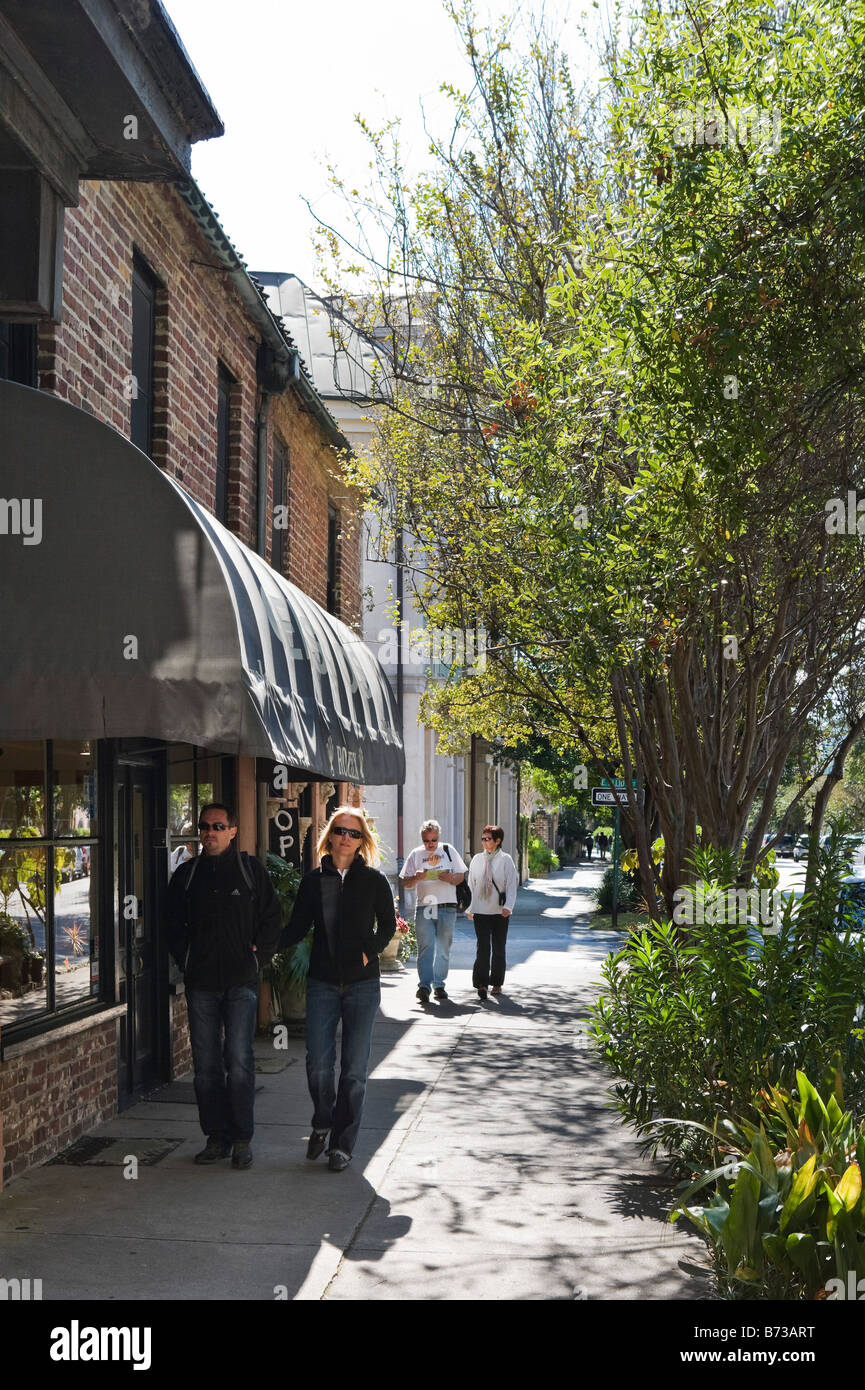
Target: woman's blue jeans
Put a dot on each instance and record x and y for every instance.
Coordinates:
(221, 1030)
(339, 1108)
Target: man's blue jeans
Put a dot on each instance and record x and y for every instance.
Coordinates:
(435, 935)
(221, 1029)
(339, 1108)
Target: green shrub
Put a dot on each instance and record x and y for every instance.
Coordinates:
(541, 857)
(289, 968)
(696, 1019)
(786, 1217)
(627, 897)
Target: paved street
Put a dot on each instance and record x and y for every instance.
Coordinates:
(488, 1166)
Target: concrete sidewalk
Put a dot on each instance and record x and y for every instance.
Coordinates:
(488, 1167)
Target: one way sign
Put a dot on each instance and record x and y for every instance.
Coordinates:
(605, 796)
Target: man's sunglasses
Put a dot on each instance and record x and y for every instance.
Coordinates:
(346, 830)
(212, 825)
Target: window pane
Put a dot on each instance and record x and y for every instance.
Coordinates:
(76, 955)
(74, 788)
(180, 774)
(22, 789)
(209, 782)
(22, 933)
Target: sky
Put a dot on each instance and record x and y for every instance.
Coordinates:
(288, 84)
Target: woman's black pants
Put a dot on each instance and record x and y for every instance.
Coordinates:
(491, 930)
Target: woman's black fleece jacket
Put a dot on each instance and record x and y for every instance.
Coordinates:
(351, 917)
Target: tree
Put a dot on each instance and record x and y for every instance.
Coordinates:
(645, 329)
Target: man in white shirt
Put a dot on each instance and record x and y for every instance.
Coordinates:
(435, 871)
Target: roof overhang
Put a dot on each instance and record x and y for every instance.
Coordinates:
(100, 89)
(128, 610)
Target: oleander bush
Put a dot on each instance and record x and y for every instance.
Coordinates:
(627, 896)
(695, 1020)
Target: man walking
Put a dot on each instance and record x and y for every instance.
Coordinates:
(224, 921)
(435, 871)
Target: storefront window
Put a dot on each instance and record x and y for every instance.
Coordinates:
(74, 784)
(22, 789)
(49, 958)
(194, 778)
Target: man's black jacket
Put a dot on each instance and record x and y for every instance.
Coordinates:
(213, 927)
(352, 917)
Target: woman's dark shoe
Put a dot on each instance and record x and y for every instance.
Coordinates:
(496, 989)
(337, 1160)
(241, 1154)
(482, 994)
(317, 1143)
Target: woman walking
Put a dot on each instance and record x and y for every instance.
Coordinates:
(493, 881)
(349, 904)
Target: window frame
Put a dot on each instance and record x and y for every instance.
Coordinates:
(54, 1015)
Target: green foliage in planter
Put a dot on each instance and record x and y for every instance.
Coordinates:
(408, 942)
(288, 969)
(541, 857)
(628, 899)
(14, 938)
(697, 1020)
(787, 1215)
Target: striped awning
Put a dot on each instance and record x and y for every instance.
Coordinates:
(127, 610)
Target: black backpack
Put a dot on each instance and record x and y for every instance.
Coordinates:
(464, 893)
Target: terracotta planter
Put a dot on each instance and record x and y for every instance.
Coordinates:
(389, 957)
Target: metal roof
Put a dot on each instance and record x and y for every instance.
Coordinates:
(343, 363)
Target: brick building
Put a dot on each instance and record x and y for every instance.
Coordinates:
(179, 560)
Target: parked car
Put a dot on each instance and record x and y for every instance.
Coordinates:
(785, 846)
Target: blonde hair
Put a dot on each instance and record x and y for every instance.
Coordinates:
(367, 850)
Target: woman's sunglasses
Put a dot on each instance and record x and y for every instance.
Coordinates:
(346, 830)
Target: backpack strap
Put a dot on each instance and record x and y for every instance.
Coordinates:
(243, 861)
(191, 875)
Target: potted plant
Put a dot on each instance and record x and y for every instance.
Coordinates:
(14, 949)
(401, 945)
(286, 974)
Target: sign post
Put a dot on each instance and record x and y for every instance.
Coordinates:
(605, 796)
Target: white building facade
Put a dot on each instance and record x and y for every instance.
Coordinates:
(462, 792)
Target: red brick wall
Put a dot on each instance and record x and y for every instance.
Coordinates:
(54, 1094)
(314, 484)
(200, 322)
(181, 1052)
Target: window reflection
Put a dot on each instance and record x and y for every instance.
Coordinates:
(23, 977)
(22, 789)
(75, 954)
(74, 788)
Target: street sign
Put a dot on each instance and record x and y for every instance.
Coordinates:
(605, 796)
